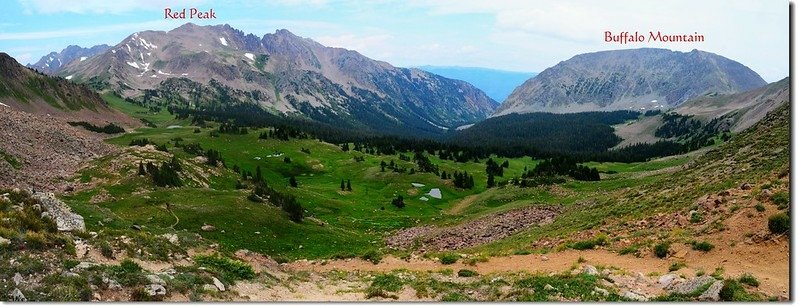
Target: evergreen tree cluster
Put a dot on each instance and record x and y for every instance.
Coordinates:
(214, 157)
(492, 168)
(283, 133)
(398, 202)
(168, 175)
(110, 128)
(463, 180)
(425, 166)
(231, 128)
(285, 201)
(563, 166)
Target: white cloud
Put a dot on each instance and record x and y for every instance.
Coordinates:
(754, 33)
(377, 45)
(86, 31)
(101, 6)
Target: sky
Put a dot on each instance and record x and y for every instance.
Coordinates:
(516, 35)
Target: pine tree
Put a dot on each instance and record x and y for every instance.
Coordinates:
(382, 166)
(491, 180)
(142, 172)
(349, 187)
(443, 175)
(342, 184)
(258, 176)
(293, 182)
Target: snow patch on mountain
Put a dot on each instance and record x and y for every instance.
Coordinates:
(223, 41)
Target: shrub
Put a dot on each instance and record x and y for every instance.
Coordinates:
(696, 218)
(732, 291)
(662, 249)
(779, 223)
(229, 268)
(703, 246)
(467, 273)
(35, 240)
(676, 266)
(781, 199)
(748, 279)
(449, 258)
(372, 256)
(760, 208)
(128, 273)
(106, 250)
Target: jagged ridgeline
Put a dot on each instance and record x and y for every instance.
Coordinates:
(215, 67)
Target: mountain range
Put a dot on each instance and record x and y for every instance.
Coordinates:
(285, 74)
(497, 84)
(54, 61)
(636, 79)
(24, 89)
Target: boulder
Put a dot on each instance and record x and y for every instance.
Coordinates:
(111, 284)
(549, 287)
(4, 242)
(155, 290)
(172, 238)
(55, 209)
(634, 296)
(155, 279)
(712, 293)
(601, 291)
(18, 279)
(219, 285)
(666, 280)
(590, 270)
(690, 285)
(207, 227)
(746, 186)
(17, 296)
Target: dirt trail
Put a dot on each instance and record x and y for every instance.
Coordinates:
(768, 264)
(463, 204)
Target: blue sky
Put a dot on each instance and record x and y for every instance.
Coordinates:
(519, 35)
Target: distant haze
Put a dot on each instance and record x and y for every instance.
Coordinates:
(497, 84)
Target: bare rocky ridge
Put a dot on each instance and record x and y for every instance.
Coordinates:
(54, 61)
(285, 73)
(740, 111)
(473, 233)
(629, 79)
(24, 89)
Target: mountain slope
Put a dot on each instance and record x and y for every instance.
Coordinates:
(497, 84)
(629, 79)
(733, 112)
(23, 89)
(54, 61)
(286, 74)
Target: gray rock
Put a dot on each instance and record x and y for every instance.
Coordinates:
(207, 227)
(155, 279)
(219, 285)
(666, 280)
(590, 270)
(18, 279)
(69, 274)
(84, 265)
(634, 296)
(55, 209)
(4, 242)
(691, 285)
(549, 287)
(172, 238)
(155, 290)
(111, 284)
(209, 288)
(746, 186)
(641, 278)
(601, 291)
(17, 296)
(712, 293)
